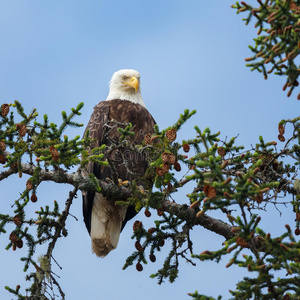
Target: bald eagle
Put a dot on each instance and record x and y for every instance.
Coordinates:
(103, 218)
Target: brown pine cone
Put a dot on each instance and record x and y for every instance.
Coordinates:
(138, 246)
(4, 109)
(165, 157)
(147, 139)
(22, 129)
(281, 138)
(241, 242)
(161, 243)
(2, 159)
(172, 158)
(281, 129)
(139, 267)
(137, 225)
(259, 198)
(2, 145)
(171, 134)
(177, 166)
(33, 198)
(159, 172)
(293, 6)
(186, 147)
(152, 258)
(19, 243)
(54, 153)
(206, 190)
(221, 151)
(212, 193)
(165, 168)
(13, 237)
(17, 220)
(160, 212)
(147, 213)
(286, 297)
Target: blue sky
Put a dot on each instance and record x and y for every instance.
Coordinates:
(55, 54)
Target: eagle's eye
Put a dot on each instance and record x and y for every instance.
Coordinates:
(124, 78)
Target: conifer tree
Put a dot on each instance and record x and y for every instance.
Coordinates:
(220, 175)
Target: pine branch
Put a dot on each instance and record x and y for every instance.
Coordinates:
(109, 189)
(183, 212)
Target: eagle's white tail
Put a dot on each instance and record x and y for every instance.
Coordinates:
(107, 218)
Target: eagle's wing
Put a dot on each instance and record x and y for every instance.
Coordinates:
(99, 117)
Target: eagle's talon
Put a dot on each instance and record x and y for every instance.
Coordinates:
(109, 180)
(141, 189)
(123, 183)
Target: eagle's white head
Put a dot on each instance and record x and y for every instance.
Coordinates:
(125, 85)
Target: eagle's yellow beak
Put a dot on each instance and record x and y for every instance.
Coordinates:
(133, 82)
